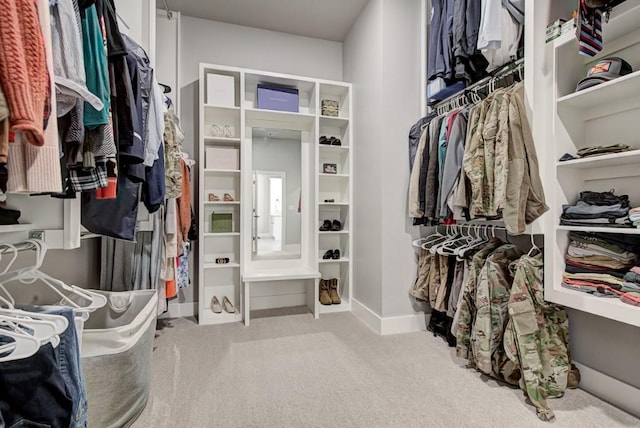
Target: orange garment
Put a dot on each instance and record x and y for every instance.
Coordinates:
(184, 207)
(23, 68)
(170, 290)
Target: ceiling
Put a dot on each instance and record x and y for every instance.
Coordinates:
(321, 19)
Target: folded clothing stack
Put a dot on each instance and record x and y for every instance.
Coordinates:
(596, 151)
(597, 209)
(602, 265)
(634, 216)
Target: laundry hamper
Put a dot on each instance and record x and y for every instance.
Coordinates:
(117, 347)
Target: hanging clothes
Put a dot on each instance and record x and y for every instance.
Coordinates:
(34, 157)
(537, 336)
(494, 314)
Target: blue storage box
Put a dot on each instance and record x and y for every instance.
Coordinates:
(278, 98)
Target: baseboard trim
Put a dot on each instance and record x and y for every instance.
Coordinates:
(390, 325)
(609, 389)
(180, 310)
(367, 316)
(404, 324)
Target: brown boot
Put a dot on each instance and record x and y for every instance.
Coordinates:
(335, 297)
(325, 298)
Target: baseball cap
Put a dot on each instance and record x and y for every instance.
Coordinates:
(603, 71)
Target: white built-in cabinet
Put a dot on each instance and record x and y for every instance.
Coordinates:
(233, 279)
(605, 114)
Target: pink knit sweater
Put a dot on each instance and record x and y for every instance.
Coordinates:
(23, 70)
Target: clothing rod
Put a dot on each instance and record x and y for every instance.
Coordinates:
(166, 7)
(504, 71)
(20, 246)
(122, 21)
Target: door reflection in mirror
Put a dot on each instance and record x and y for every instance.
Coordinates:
(276, 167)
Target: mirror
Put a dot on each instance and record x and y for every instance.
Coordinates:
(276, 167)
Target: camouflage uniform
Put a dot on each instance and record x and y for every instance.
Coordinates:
(492, 298)
(420, 289)
(467, 310)
(172, 156)
(537, 337)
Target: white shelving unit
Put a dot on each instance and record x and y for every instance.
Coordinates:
(236, 278)
(604, 114)
(338, 187)
(219, 280)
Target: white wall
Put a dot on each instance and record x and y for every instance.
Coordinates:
(382, 60)
(363, 68)
(401, 88)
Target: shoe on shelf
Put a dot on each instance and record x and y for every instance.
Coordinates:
(228, 198)
(215, 305)
(228, 306)
(328, 255)
(335, 255)
(329, 201)
(336, 226)
(333, 291)
(326, 226)
(325, 140)
(213, 197)
(325, 297)
(222, 260)
(335, 141)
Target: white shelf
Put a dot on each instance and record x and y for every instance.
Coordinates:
(601, 95)
(331, 232)
(340, 260)
(332, 148)
(221, 266)
(334, 121)
(223, 141)
(220, 235)
(624, 20)
(263, 118)
(209, 318)
(222, 171)
(334, 175)
(282, 274)
(631, 157)
(222, 203)
(9, 228)
(336, 204)
(607, 307)
(216, 107)
(344, 306)
(620, 230)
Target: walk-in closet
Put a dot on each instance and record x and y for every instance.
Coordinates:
(337, 213)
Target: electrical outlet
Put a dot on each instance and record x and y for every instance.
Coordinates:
(36, 234)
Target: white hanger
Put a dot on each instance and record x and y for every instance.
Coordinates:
(534, 247)
(24, 345)
(31, 274)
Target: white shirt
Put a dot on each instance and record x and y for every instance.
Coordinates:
(490, 31)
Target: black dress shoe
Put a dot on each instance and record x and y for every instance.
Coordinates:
(325, 140)
(335, 141)
(335, 255)
(328, 255)
(336, 226)
(326, 226)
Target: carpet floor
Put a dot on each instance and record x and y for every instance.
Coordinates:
(294, 371)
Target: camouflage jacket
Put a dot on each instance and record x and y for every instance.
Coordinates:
(172, 155)
(537, 336)
(492, 299)
(467, 311)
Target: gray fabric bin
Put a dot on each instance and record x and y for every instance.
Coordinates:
(117, 348)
